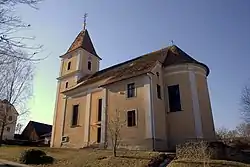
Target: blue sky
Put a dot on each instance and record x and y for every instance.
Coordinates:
(214, 32)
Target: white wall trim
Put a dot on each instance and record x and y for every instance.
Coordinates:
(194, 66)
(196, 106)
(83, 93)
(64, 115)
(78, 61)
(55, 114)
(66, 76)
(104, 113)
(148, 115)
(184, 71)
(87, 119)
(56, 106)
(151, 109)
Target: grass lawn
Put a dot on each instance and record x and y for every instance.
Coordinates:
(104, 158)
(212, 163)
(83, 157)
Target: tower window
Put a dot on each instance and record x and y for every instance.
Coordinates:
(75, 115)
(174, 98)
(131, 90)
(89, 65)
(8, 129)
(158, 91)
(10, 118)
(69, 65)
(66, 85)
(131, 118)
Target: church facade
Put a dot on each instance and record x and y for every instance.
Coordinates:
(161, 99)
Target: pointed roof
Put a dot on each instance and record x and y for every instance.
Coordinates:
(83, 41)
(168, 56)
(40, 128)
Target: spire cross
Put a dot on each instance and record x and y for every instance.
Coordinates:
(172, 42)
(85, 21)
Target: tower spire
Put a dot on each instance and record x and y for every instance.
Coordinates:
(85, 21)
(172, 42)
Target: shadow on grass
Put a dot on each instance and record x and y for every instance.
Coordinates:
(133, 157)
(9, 165)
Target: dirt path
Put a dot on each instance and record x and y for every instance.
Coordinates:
(4, 163)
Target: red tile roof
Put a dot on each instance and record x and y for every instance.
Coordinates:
(168, 56)
(83, 41)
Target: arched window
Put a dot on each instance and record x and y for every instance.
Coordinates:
(69, 65)
(89, 65)
(66, 85)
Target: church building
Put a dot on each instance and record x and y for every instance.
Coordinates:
(161, 99)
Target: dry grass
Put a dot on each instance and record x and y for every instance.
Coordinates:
(212, 163)
(84, 157)
(199, 154)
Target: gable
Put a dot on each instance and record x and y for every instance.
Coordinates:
(36, 127)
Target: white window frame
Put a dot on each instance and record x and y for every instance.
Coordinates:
(127, 90)
(136, 118)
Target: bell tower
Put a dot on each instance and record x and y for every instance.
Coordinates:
(80, 61)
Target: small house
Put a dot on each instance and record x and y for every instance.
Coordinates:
(35, 131)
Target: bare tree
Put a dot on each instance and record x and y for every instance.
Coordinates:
(195, 150)
(243, 129)
(224, 133)
(19, 127)
(115, 124)
(245, 104)
(16, 89)
(11, 44)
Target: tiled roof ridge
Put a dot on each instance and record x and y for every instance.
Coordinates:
(40, 123)
(133, 59)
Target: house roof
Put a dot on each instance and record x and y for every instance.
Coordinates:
(83, 41)
(5, 101)
(168, 56)
(41, 128)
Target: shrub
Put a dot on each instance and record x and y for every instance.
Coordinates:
(35, 156)
(198, 150)
(47, 159)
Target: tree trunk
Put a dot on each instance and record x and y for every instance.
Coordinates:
(114, 151)
(114, 147)
(1, 134)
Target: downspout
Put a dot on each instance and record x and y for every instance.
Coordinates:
(152, 113)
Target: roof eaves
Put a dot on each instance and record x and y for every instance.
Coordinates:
(121, 79)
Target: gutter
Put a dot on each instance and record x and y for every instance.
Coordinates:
(151, 110)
